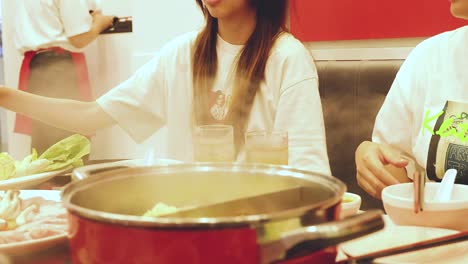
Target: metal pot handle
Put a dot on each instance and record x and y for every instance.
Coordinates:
(86, 171)
(313, 238)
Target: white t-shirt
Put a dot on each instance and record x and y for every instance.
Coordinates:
(48, 23)
(431, 86)
(160, 94)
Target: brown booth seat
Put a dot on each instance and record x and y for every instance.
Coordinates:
(352, 93)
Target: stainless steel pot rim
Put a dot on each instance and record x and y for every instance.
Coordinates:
(219, 222)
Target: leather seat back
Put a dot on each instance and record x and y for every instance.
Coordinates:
(352, 93)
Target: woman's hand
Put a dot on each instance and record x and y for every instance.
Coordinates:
(378, 166)
(101, 21)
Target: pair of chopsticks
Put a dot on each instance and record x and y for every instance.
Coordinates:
(430, 243)
(419, 183)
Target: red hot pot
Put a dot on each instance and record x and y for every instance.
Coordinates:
(106, 206)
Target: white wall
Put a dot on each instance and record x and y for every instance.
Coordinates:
(375, 49)
(111, 60)
(18, 145)
(3, 114)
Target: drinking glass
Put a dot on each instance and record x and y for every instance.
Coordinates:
(267, 147)
(214, 143)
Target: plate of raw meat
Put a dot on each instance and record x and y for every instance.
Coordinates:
(31, 220)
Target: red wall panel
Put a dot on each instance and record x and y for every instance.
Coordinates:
(313, 20)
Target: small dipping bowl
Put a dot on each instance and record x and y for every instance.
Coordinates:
(350, 204)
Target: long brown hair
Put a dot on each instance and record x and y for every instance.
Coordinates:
(250, 68)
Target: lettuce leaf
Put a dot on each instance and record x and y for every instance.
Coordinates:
(66, 153)
(7, 166)
(31, 165)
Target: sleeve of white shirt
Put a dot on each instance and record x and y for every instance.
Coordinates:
(299, 112)
(75, 17)
(139, 104)
(394, 124)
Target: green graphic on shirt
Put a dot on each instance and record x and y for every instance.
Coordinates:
(455, 125)
(428, 119)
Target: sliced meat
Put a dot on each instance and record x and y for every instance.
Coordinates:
(49, 220)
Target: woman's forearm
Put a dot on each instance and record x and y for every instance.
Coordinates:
(75, 116)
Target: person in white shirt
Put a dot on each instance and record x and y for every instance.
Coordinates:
(50, 35)
(423, 122)
(266, 77)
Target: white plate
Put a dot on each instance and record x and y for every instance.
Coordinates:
(394, 235)
(36, 244)
(28, 181)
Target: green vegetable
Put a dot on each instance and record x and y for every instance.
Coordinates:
(160, 209)
(31, 165)
(63, 154)
(66, 153)
(7, 166)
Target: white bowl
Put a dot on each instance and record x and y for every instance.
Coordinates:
(350, 204)
(398, 203)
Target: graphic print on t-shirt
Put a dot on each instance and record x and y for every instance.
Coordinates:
(219, 105)
(448, 148)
